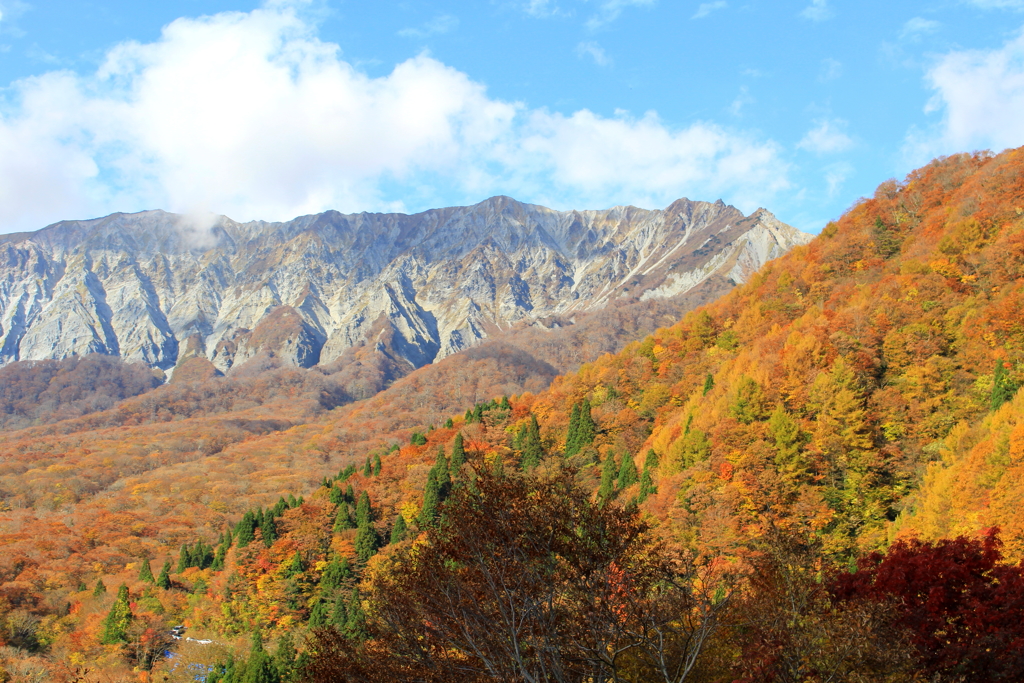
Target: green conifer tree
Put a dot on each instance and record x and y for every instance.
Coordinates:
(296, 566)
(531, 446)
(431, 499)
(331, 579)
(343, 520)
(709, 383)
(284, 656)
(572, 436)
(146, 572)
(505, 405)
(164, 580)
(646, 487)
(607, 489)
(245, 531)
(118, 619)
(260, 668)
(183, 557)
(651, 461)
(363, 510)
(376, 465)
(367, 467)
(100, 588)
(339, 616)
(458, 454)
(449, 423)
(627, 472)
(268, 528)
(399, 530)
(318, 615)
(587, 428)
(355, 622)
(1003, 386)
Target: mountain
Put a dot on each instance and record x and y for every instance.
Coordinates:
(860, 389)
(159, 288)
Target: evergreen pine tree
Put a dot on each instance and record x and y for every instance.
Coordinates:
(505, 405)
(146, 572)
(431, 499)
(607, 489)
(531, 446)
(572, 436)
(292, 503)
(339, 617)
(246, 529)
(330, 580)
(115, 625)
(709, 384)
(444, 479)
(296, 566)
(363, 510)
(350, 494)
(284, 656)
(164, 580)
(269, 528)
(343, 520)
(651, 461)
(627, 472)
(183, 557)
(1003, 388)
(376, 465)
(449, 423)
(281, 505)
(100, 588)
(646, 487)
(587, 428)
(367, 468)
(458, 454)
(337, 496)
(318, 615)
(355, 623)
(260, 668)
(399, 530)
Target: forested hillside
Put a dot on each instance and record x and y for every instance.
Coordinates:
(766, 490)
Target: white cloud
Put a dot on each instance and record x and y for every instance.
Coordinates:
(438, 25)
(251, 115)
(827, 137)
(594, 51)
(742, 99)
(917, 27)
(980, 94)
(835, 175)
(831, 69)
(707, 8)
(610, 10)
(818, 10)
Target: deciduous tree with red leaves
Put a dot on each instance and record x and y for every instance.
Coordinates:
(963, 608)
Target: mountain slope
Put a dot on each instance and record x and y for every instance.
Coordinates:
(158, 288)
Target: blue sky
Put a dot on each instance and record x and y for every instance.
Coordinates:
(278, 108)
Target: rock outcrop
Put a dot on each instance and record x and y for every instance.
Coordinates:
(157, 287)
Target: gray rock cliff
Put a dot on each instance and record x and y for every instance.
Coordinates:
(154, 287)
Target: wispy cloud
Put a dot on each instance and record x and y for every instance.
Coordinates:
(438, 25)
(917, 27)
(595, 52)
(831, 69)
(835, 175)
(818, 10)
(827, 137)
(707, 8)
(742, 100)
(610, 10)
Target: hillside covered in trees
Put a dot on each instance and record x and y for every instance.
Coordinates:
(817, 476)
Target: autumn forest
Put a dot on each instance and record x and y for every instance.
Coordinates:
(816, 476)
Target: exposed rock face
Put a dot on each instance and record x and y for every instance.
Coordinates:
(151, 287)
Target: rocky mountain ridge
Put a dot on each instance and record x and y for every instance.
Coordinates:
(159, 288)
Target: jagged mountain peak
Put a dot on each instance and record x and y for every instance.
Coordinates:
(141, 284)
